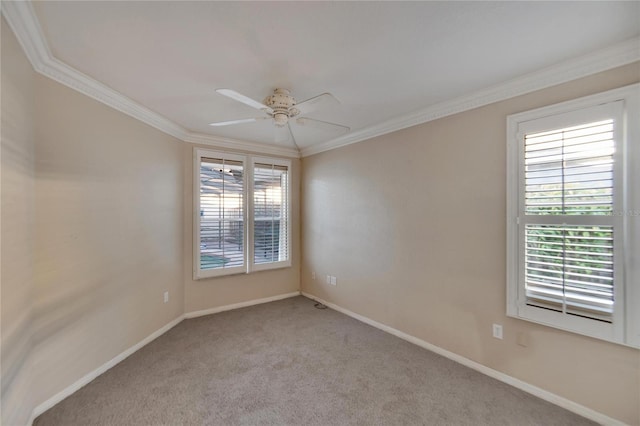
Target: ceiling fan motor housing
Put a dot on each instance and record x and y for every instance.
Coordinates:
(282, 104)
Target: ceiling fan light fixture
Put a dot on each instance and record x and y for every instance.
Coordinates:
(280, 119)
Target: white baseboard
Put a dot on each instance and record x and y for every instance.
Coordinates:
(533, 390)
(524, 386)
(98, 371)
(217, 309)
(41, 408)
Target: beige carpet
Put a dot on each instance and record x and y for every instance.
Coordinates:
(287, 363)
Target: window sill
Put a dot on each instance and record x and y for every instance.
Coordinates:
(206, 275)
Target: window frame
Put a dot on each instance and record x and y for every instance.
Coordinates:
(248, 164)
(281, 263)
(625, 326)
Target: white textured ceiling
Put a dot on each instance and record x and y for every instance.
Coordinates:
(380, 59)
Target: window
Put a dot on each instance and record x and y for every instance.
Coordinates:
(242, 207)
(270, 213)
(573, 211)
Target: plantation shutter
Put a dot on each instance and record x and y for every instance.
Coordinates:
(568, 224)
(271, 213)
(221, 214)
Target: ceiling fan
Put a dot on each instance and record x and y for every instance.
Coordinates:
(282, 108)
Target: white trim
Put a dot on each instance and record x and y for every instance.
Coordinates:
(632, 220)
(253, 267)
(577, 104)
(248, 162)
(235, 144)
(199, 154)
(41, 408)
(25, 25)
(195, 215)
(86, 379)
(217, 309)
(614, 56)
(250, 212)
(565, 403)
(533, 390)
(627, 293)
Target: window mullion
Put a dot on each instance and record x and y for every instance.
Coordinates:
(223, 205)
(564, 271)
(249, 216)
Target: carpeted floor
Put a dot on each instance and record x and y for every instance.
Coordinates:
(287, 363)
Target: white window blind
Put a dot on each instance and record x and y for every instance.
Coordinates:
(221, 214)
(242, 213)
(573, 215)
(270, 213)
(569, 172)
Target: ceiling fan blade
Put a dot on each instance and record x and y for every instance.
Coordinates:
(244, 99)
(321, 125)
(317, 102)
(240, 121)
(293, 137)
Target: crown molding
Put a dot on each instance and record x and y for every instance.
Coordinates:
(237, 145)
(24, 23)
(615, 56)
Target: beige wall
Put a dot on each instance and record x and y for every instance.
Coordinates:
(412, 224)
(17, 220)
(220, 291)
(97, 224)
(92, 233)
(108, 234)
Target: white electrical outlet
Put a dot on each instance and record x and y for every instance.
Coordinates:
(166, 296)
(328, 279)
(313, 275)
(334, 281)
(497, 331)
